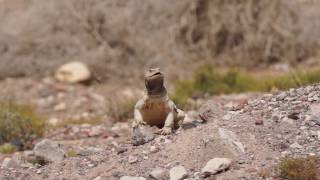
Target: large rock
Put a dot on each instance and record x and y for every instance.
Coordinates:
(49, 151)
(73, 72)
(216, 165)
(178, 173)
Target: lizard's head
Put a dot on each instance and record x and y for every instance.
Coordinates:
(154, 81)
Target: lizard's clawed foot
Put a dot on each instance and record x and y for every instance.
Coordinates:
(136, 124)
(165, 131)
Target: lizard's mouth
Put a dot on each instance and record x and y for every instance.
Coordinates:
(156, 74)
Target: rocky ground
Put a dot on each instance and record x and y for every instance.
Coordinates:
(243, 136)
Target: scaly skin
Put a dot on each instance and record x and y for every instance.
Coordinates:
(156, 109)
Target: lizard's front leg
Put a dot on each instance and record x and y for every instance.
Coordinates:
(169, 124)
(138, 119)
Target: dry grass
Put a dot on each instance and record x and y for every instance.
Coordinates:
(299, 168)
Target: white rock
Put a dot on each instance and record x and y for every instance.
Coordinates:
(49, 151)
(288, 121)
(132, 178)
(216, 165)
(231, 139)
(73, 72)
(154, 149)
(178, 173)
(97, 178)
(60, 107)
(132, 159)
(296, 146)
(158, 173)
(227, 117)
(53, 121)
(10, 163)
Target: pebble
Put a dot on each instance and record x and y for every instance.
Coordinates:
(132, 178)
(158, 173)
(132, 159)
(215, 166)
(154, 149)
(296, 146)
(178, 173)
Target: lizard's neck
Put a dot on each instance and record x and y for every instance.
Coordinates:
(157, 94)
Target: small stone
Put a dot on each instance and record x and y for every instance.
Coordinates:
(294, 115)
(121, 150)
(53, 121)
(97, 178)
(10, 163)
(132, 159)
(142, 136)
(60, 107)
(258, 122)
(39, 171)
(90, 165)
(116, 174)
(132, 178)
(288, 121)
(49, 151)
(154, 149)
(158, 173)
(215, 166)
(296, 146)
(178, 173)
(281, 96)
(227, 117)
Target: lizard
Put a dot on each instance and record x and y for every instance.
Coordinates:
(155, 108)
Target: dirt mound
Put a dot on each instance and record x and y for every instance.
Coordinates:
(254, 132)
(119, 38)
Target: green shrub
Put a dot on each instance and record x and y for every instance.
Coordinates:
(19, 122)
(72, 153)
(184, 90)
(208, 80)
(299, 168)
(7, 148)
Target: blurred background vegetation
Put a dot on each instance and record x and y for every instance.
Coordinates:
(119, 39)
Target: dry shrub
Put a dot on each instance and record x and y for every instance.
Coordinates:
(248, 33)
(119, 38)
(299, 168)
